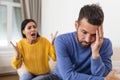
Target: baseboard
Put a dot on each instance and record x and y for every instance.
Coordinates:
(8, 74)
(6, 70)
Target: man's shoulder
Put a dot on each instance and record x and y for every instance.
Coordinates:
(106, 40)
(66, 35)
(106, 43)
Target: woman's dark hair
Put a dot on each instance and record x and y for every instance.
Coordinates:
(23, 25)
(93, 13)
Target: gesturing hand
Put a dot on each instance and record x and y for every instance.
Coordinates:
(53, 37)
(16, 50)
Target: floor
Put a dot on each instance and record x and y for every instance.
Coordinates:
(9, 77)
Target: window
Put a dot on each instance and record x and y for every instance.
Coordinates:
(10, 14)
(3, 25)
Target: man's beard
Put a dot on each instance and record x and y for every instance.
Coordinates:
(83, 42)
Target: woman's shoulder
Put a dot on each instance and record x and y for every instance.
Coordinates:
(22, 40)
(43, 39)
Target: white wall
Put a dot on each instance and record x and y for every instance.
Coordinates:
(5, 61)
(61, 14)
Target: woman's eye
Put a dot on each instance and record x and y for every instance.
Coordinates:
(34, 26)
(29, 28)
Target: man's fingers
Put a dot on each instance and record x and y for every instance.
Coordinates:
(100, 32)
(114, 71)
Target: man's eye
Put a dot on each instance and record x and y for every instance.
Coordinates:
(93, 35)
(84, 32)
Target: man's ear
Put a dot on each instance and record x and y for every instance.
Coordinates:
(76, 24)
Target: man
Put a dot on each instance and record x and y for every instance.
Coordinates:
(85, 54)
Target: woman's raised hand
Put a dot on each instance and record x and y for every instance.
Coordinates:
(16, 50)
(53, 37)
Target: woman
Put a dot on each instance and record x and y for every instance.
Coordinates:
(33, 50)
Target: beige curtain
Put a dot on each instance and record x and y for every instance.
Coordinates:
(31, 9)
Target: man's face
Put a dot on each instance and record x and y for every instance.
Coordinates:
(86, 32)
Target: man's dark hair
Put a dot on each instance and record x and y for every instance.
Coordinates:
(23, 25)
(93, 13)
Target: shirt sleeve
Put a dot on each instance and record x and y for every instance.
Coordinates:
(16, 63)
(52, 52)
(65, 65)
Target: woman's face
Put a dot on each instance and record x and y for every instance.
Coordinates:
(30, 31)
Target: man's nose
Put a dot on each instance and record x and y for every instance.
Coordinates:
(88, 38)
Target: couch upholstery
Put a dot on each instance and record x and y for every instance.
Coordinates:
(116, 54)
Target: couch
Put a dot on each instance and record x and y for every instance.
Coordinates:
(115, 62)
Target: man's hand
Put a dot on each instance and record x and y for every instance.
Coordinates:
(112, 76)
(98, 42)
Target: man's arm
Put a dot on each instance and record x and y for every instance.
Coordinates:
(65, 65)
(100, 68)
(102, 65)
(101, 54)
